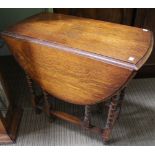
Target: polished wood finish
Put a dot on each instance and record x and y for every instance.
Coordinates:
(41, 40)
(78, 60)
(70, 72)
(139, 17)
(109, 40)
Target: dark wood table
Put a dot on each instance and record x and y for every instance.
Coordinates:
(79, 60)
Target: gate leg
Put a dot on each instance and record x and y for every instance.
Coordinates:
(87, 117)
(120, 102)
(37, 100)
(48, 107)
(112, 116)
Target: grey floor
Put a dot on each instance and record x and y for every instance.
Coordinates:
(136, 125)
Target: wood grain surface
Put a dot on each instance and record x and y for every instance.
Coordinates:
(78, 60)
(116, 41)
(70, 77)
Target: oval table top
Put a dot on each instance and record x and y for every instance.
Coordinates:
(114, 43)
(78, 60)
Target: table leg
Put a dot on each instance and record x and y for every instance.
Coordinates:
(112, 116)
(87, 117)
(37, 99)
(120, 102)
(113, 111)
(48, 107)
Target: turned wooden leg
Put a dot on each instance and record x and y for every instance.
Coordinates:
(37, 100)
(29, 82)
(48, 107)
(87, 117)
(120, 101)
(112, 116)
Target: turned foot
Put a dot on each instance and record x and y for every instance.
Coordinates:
(106, 135)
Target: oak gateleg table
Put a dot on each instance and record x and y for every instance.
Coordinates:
(78, 60)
